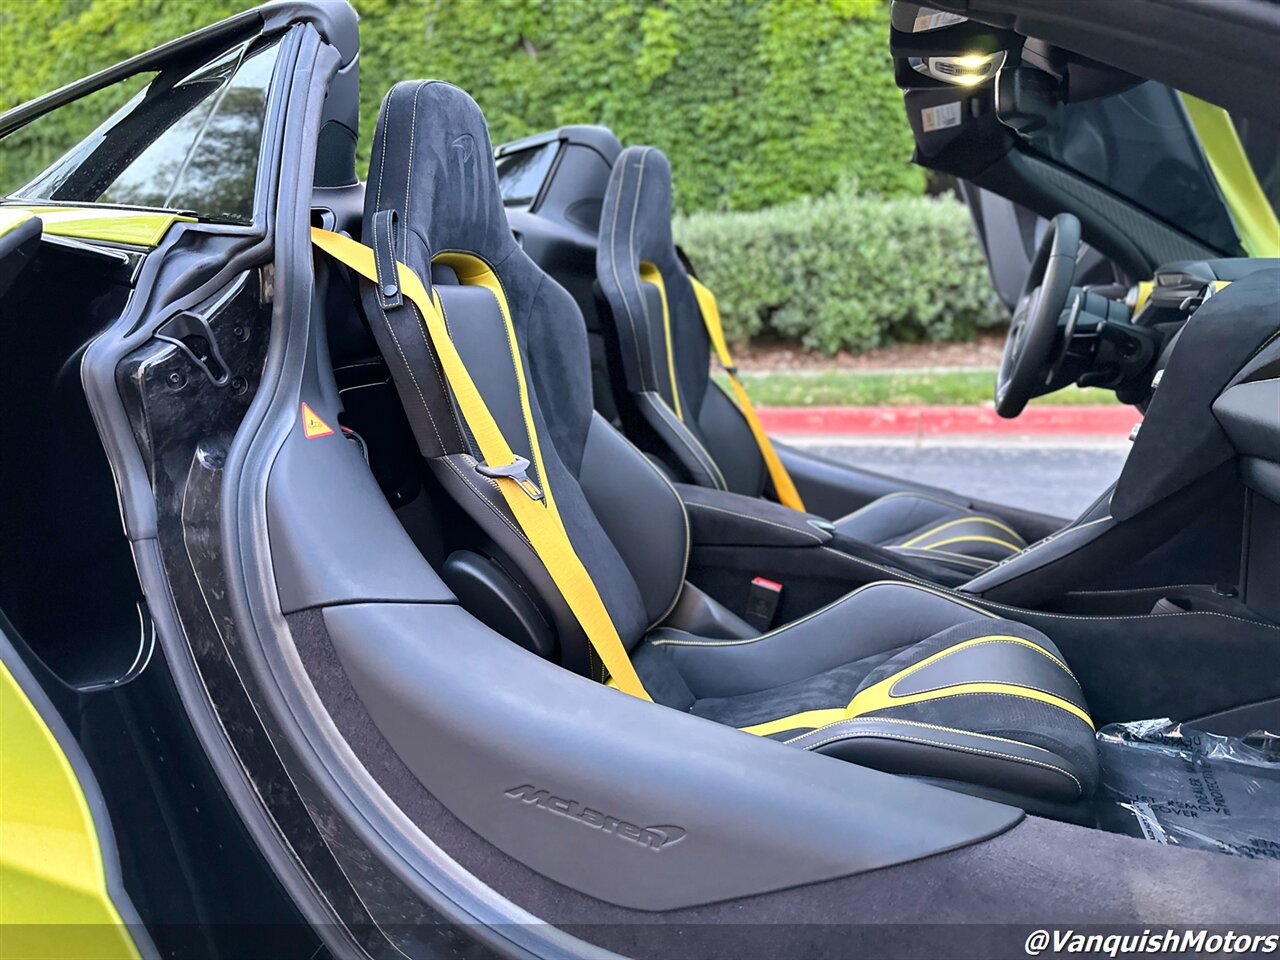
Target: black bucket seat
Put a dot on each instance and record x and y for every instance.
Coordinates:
(894, 675)
(691, 424)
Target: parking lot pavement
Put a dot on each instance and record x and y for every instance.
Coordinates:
(1060, 480)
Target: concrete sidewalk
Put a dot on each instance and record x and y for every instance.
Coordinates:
(1049, 476)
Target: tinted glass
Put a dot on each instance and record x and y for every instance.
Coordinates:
(33, 147)
(191, 145)
(1139, 144)
(1262, 146)
(520, 174)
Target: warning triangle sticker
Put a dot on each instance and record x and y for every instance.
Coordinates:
(312, 425)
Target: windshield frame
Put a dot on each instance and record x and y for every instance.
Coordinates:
(1119, 158)
(177, 60)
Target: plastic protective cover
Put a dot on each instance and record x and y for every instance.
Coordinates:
(1178, 785)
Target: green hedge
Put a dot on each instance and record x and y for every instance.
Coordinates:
(756, 102)
(845, 271)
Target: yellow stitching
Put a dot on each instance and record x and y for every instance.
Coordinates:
(973, 539)
(951, 523)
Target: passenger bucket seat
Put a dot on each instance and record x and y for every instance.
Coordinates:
(666, 323)
(894, 675)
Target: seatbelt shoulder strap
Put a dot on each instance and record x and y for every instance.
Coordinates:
(536, 515)
(783, 485)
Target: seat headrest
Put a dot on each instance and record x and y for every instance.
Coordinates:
(640, 191)
(433, 165)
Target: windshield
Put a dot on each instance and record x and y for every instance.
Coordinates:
(1261, 145)
(190, 144)
(1140, 145)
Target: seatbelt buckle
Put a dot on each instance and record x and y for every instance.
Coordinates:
(517, 470)
(762, 603)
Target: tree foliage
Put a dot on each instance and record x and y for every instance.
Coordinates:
(756, 102)
(761, 106)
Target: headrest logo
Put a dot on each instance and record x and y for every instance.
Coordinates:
(464, 147)
(654, 838)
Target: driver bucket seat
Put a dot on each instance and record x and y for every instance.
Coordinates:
(663, 320)
(894, 675)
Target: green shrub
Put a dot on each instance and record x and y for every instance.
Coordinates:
(756, 102)
(845, 271)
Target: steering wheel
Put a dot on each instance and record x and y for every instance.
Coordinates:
(1033, 332)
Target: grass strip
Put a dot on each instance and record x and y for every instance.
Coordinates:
(894, 388)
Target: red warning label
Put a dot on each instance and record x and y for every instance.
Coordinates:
(312, 425)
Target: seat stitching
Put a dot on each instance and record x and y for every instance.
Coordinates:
(918, 723)
(379, 261)
(413, 376)
(382, 158)
(747, 516)
(489, 503)
(1016, 696)
(946, 556)
(413, 148)
(1009, 683)
(975, 538)
(690, 439)
(903, 493)
(966, 749)
(681, 433)
(925, 588)
(684, 514)
(972, 518)
(634, 273)
(614, 258)
(957, 696)
(983, 642)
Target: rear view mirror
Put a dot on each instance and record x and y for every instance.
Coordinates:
(1028, 100)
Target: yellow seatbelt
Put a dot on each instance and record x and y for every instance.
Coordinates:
(649, 273)
(536, 514)
(782, 483)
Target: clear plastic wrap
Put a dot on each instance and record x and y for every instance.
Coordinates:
(1174, 784)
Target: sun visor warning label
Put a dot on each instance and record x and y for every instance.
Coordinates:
(941, 117)
(312, 425)
(928, 19)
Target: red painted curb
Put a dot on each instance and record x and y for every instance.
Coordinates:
(1111, 420)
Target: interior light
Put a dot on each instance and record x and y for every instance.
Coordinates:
(967, 70)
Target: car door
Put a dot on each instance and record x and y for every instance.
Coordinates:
(143, 204)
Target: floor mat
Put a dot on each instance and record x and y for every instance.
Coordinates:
(1174, 784)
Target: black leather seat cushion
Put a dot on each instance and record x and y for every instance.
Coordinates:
(901, 678)
(923, 527)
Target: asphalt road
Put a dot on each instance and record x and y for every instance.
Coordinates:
(1058, 480)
